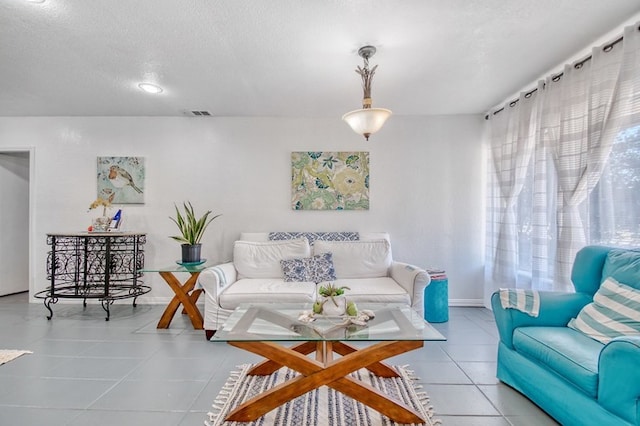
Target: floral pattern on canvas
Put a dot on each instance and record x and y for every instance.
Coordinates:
(330, 180)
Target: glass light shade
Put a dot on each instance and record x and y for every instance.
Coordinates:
(366, 121)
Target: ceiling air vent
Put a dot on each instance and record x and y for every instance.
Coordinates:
(198, 113)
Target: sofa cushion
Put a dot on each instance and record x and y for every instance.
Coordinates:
(570, 354)
(262, 259)
(358, 259)
(267, 290)
(623, 266)
(614, 312)
(373, 290)
(317, 268)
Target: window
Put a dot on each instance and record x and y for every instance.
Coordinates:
(613, 208)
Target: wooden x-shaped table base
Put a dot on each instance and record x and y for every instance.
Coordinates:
(324, 370)
(185, 296)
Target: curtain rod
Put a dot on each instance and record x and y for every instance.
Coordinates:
(607, 48)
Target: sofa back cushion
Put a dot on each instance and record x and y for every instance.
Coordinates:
(262, 259)
(623, 266)
(358, 259)
(586, 273)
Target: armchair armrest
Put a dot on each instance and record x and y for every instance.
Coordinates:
(619, 378)
(414, 280)
(556, 309)
(215, 279)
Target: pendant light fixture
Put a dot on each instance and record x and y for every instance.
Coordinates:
(366, 121)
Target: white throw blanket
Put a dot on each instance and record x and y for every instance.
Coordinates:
(527, 301)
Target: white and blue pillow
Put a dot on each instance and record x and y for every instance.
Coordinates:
(614, 312)
(315, 269)
(313, 236)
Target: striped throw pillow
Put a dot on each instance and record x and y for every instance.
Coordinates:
(615, 311)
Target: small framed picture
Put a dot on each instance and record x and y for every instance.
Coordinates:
(121, 178)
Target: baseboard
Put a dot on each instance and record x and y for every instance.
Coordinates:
(142, 300)
(161, 300)
(452, 302)
(476, 303)
(164, 300)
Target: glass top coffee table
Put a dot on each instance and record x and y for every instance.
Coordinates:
(264, 328)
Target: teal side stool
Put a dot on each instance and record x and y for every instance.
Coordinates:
(436, 298)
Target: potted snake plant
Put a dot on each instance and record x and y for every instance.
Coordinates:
(191, 231)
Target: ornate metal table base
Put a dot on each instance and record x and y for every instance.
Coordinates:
(101, 266)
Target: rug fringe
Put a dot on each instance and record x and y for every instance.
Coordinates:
(222, 399)
(423, 397)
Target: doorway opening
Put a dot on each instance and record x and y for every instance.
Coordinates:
(16, 170)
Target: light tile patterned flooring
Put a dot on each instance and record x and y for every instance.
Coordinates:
(85, 370)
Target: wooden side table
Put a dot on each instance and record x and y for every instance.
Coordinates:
(185, 294)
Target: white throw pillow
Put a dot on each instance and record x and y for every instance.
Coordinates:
(262, 259)
(358, 259)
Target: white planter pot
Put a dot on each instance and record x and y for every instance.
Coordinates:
(330, 309)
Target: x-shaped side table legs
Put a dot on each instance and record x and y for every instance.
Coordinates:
(332, 373)
(185, 296)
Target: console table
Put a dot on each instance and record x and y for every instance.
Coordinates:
(94, 265)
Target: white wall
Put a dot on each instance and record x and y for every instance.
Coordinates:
(427, 184)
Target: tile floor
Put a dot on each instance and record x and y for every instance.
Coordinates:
(85, 370)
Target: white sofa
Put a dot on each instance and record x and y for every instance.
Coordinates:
(364, 265)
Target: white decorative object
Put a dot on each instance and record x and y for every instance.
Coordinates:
(334, 306)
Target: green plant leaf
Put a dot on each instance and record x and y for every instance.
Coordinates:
(192, 229)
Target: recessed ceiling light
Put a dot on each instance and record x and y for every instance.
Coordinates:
(150, 88)
(35, 1)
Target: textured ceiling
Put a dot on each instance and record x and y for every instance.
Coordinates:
(284, 57)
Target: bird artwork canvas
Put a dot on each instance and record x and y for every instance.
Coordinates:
(121, 178)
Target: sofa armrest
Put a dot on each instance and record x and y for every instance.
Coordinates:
(556, 309)
(414, 280)
(215, 279)
(619, 378)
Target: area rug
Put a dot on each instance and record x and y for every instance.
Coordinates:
(320, 407)
(7, 355)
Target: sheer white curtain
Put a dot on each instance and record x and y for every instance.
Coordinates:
(575, 127)
(573, 124)
(511, 145)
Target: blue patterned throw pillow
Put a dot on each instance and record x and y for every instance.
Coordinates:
(321, 268)
(313, 236)
(295, 270)
(315, 269)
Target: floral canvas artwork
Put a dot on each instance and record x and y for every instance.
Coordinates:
(330, 180)
(121, 178)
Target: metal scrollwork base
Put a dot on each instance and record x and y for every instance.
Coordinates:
(48, 301)
(94, 266)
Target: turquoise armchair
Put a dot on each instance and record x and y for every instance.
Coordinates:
(575, 379)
